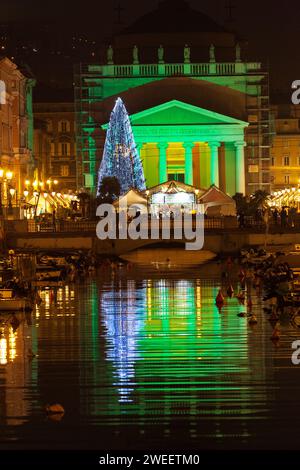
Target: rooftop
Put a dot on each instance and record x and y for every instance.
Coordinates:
(173, 16)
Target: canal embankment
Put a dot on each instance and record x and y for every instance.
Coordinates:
(218, 241)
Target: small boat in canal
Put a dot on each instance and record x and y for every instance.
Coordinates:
(169, 258)
(49, 273)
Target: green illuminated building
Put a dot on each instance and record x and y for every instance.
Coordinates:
(199, 112)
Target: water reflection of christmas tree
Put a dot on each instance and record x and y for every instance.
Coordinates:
(123, 320)
(120, 156)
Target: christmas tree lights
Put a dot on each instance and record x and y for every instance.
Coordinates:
(120, 156)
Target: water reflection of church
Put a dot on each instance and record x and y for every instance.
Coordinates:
(174, 356)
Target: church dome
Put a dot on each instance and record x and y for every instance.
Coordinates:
(173, 24)
(173, 16)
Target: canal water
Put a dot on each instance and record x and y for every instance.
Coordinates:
(147, 364)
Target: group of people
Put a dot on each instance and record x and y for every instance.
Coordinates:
(282, 217)
(285, 217)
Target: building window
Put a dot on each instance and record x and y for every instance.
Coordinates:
(64, 149)
(22, 139)
(64, 126)
(176, 177)
(64, 170)
(286, 161)
(287, 179)
(272, 161)
(49, 125)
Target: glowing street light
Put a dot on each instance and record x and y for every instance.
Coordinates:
(1, 178)
(12, 192)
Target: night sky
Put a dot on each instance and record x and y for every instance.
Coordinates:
(272, 28)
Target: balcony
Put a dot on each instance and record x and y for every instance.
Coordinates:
(170, 70)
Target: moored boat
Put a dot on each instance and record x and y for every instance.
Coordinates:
(9, 303)
(49, 273)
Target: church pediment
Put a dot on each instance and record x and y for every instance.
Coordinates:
(179, 113)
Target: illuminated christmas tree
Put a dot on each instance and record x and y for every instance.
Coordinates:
(120, 156)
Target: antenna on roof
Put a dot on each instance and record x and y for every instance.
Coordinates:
(230, 7)
(119, 9)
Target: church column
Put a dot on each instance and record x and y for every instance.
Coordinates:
(162, 162)
(240, 177)
(188, 166)
(214, 163)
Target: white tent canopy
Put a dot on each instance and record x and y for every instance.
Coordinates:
(131, 198)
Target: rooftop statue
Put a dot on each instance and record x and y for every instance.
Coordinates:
(212, 57)
(238, 53)
(110, 55)
(135, 55)
(187, 54)
(160, 53)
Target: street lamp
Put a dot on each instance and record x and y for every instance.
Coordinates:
(45, 196)
(26, 193)
(1, 179)
(11, 195)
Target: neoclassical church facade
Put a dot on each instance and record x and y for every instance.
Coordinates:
(199, 110)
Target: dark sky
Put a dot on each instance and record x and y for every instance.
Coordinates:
(272, 27)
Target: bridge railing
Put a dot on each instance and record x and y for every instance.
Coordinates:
(61, 226)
